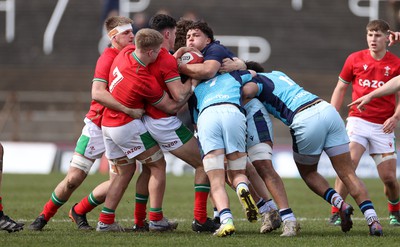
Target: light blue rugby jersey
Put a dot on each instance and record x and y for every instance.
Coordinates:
(282, 96)
(225, 88)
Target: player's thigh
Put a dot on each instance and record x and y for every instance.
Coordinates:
(170, 133)
(259, 125)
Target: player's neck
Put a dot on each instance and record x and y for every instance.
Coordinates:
(142, 56)
(378, 55)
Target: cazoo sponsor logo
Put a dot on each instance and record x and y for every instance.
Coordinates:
(371, 84)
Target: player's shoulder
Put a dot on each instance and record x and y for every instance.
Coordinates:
(109, 52)
(359, 54)
(392, 56)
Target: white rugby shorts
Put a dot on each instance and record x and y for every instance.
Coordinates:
(169, 132)
(90, 144)
(370, 135)
(128, 140)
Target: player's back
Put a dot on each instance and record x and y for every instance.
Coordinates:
(282, 96)
(221, 89)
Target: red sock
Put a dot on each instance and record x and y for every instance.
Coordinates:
(140, 213)
(200, 206)
(1, 204)
(156, 214)
(334, 210)
(84, 206)
(49, 210)
(107, 216)
(394, 207)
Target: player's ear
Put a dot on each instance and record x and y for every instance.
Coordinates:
(166, 34)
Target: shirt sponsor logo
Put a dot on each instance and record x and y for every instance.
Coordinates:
(370, 83)
(217, 97)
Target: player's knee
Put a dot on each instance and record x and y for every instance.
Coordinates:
(152, 158)
(237, 164)
(305, 159)
(214, 163)
(81, 163)
(260, 151)
(379, 158)
(74, 180)
(115, 164)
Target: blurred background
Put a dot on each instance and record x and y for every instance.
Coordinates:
(49, 48)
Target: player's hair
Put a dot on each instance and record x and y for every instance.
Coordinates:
(182, 26)
(147, 39)
(114, 21)
(160, 22)
(378, 25)
(203, 26)
(254, 66)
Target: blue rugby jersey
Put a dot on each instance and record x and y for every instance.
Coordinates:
(282, 97)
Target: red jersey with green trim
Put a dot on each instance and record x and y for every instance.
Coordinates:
(165, 69)
(367, 74)
(131, 84)
(101, 74)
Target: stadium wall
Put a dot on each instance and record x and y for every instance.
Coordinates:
(57, 159)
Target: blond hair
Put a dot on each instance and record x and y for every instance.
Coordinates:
(148, 39)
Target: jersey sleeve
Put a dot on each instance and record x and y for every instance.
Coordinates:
(103, 66)
(169, 69)
(347, 75)
(217, 52)
(245, 75)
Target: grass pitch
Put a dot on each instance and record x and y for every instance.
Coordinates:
(25, 195)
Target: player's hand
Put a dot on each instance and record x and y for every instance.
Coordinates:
(135, 113)
(389, 125)
(361, 102)
(229, 65)
(394, 37)
(183, 50)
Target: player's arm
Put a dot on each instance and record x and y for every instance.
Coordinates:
(201, 71)
(338, 94)
(178, 90)
(390, 87)
(229, 65)
(249, 91)
(101, 95)
(170, 106)
(390, 124)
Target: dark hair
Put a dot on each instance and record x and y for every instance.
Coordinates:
(160, 22)
(378, 25)
(203, 26)
(182, 26)
(254, 66)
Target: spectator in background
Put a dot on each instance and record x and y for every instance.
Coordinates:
(110, 8)
(6, 223)
(140, 20)
(190, 15)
